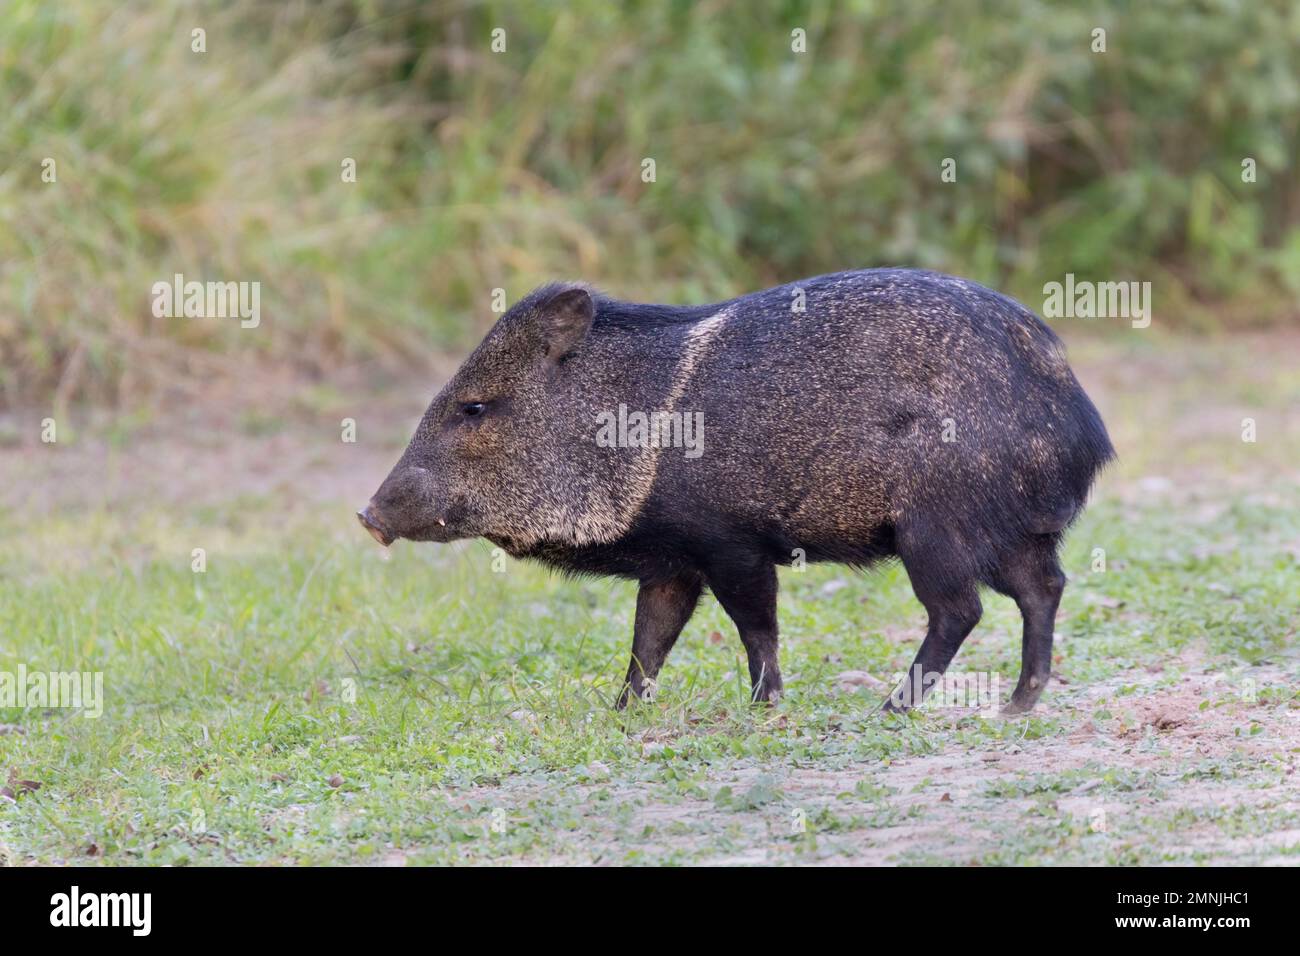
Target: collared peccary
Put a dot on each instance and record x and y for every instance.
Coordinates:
(850, 418)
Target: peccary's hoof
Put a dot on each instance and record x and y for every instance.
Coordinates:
(1019, 704)
(645, 695)
(900, 700)
(1024, 697)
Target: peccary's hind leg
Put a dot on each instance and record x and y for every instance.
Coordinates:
(662, 610)
(947, 590)
(748, 595)
(1033, 577)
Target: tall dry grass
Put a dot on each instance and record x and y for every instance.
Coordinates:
(479, 170)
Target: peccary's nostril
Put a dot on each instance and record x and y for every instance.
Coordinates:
(370, 521)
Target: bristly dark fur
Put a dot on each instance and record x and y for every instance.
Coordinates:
(897, 414)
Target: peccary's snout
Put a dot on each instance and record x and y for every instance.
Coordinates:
(403, 507)
(370, 521)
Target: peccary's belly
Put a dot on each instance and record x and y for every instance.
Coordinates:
(823, 498)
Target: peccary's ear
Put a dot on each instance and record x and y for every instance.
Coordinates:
(564, 320)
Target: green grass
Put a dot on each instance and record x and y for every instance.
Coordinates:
(229, 733)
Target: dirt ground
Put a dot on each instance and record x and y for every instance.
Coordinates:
(1167, 758)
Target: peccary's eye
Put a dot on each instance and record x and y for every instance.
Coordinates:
(472, 408)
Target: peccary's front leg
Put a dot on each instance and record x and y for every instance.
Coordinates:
(662, 610)
(747, 592)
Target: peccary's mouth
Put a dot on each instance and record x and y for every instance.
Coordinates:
(377, 530)
(436, 531)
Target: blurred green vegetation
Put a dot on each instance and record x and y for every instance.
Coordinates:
(478, 170)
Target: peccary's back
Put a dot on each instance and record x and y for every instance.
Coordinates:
(837, 408)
